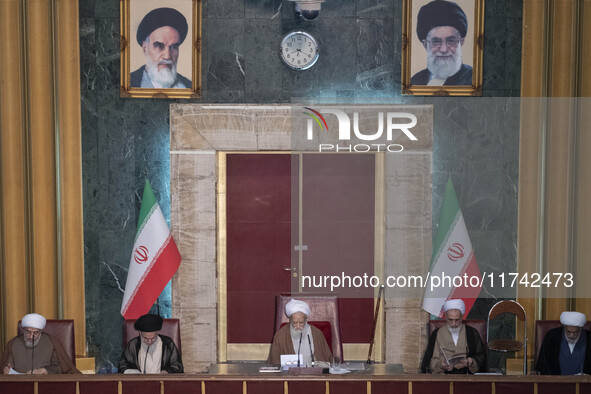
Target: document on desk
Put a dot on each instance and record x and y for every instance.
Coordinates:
(353, 366)
(13, 372)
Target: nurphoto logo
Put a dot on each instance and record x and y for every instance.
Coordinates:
(390, 126)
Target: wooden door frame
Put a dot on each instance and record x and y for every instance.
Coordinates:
(260, 351)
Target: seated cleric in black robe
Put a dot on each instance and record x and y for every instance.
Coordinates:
(566, 350)
(455, 348)
(150, 352)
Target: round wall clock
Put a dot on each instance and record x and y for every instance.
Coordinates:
(298, 50)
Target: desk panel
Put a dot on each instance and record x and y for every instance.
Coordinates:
(223, 387)
(141, 387)
(16, 388)
(57, 387)
(514, 388)
(430, 387)
(389, 387)
(263, 387)
(472, 387)
(180, 386)
(553, 388)
(98, 387)
(228, 380)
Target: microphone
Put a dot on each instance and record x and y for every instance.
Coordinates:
(146, 359)
(33, 358)
(300, 347)
(311, 350)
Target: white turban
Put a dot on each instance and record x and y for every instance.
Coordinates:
(576, 319)
(294, 306)
(455, 304)
(34, 320)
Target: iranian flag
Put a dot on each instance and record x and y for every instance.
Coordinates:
(453, 256)
(154, 260)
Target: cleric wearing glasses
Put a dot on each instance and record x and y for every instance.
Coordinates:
(441, 28)
(150, 352)
(35, 352)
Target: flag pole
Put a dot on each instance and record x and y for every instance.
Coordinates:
(375, 321)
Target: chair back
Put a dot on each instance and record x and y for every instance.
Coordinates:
(505, 345)
(170, 327)
(542, 328)
(479, 325)
(322, 308)
(63, 330)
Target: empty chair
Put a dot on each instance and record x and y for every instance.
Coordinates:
(508, 345)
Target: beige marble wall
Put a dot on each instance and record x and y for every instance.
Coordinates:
(198, 132)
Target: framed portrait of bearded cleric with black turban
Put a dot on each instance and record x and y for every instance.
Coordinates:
(442, 45)
(161, 48)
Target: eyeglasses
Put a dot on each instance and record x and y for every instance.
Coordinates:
(449, 41)
(32, 333)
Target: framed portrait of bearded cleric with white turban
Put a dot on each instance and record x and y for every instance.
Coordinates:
(442, 45)
(161, 48)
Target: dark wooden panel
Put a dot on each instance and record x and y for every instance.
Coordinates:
(514, 388)
(338, 213)
(218, 387)
(585, 388)
(141, 387)
(258, 214)
(272, 387)
(553, 388)
(57, 387)
(98, 387)
(345, 387)
(389, 387)
(430, 388)
(309, 387)
(472, 387)
(177, 387)
(17, 387)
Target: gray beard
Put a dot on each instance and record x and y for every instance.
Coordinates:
(165, 77)
(32, 343)
(443, 68)
(454, 330)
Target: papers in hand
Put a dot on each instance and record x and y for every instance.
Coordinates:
(13, 372)
(131, 371)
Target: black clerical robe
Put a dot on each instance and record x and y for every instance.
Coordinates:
(476, 350)
(548, 363)
(171, 358)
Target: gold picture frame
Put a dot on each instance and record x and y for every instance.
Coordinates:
(414, 56)
(134, 58)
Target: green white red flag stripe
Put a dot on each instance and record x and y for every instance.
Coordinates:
(154, 260)
(452, 256)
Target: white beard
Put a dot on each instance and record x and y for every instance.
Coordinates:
(444, 67)
(455, 330)
(32, 343)
(165, 77)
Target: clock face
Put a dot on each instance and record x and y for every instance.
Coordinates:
(298, 50)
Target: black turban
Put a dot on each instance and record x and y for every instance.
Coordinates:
(441, 13)
(148, 323)
(162, 17)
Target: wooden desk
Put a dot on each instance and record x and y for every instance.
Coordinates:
(245, 379)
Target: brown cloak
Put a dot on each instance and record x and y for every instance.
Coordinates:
(62, 355)
(282, 344)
